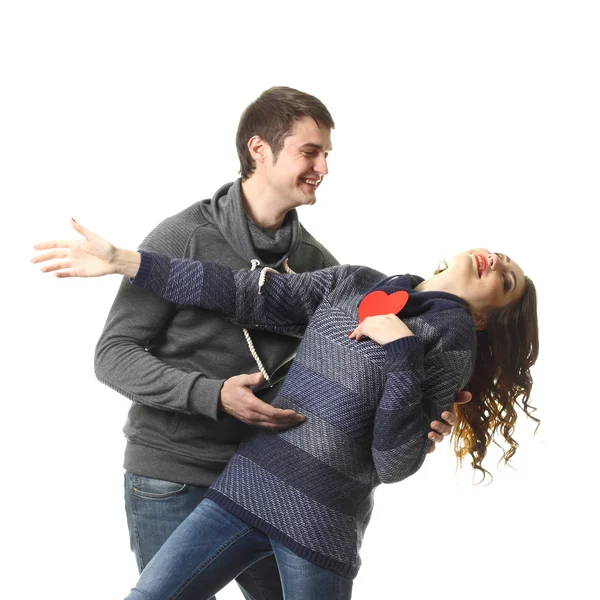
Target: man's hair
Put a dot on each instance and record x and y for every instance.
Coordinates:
(271, 116)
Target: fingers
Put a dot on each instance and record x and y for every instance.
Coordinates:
(366, 329)
(50, 256)
(66, 273)
(62, 268)
(435, 437)
(266, 415)
(238, 400)
(51, 244)
(440, 429)
(248, 380)
(254, 378)
(463, 397)
(449, 417)
(86, 233)
(357, 334)
(57, 266)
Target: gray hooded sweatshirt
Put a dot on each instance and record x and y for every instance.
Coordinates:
(172, 360)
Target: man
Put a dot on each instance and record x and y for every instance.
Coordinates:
(192, 375)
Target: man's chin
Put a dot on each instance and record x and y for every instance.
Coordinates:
(310, 200)
(304, 197)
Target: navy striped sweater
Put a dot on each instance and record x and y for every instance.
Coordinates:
(367, 407)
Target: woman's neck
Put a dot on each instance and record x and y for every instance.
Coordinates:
(439, 283)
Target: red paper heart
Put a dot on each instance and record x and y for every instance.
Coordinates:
(380, 303)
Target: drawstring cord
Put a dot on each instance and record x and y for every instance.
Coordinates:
(261, 280)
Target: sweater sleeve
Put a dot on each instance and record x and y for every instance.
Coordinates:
(418, 389)
(122, 361)
(260, 299)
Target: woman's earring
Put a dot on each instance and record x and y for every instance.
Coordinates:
(441, 267)
(480, 322)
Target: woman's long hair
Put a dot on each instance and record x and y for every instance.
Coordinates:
(506, 350)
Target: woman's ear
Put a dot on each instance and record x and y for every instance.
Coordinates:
(441, 267)
(480, 321)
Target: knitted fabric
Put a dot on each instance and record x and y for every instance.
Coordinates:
(367, 407)
(171, 360)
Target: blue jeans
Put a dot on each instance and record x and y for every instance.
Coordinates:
(194, 566)
(155, 508)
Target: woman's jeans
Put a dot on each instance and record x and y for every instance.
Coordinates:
(155, 508)
(212, 547)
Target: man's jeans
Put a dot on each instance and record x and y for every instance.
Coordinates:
(194, 566)
(155, 508)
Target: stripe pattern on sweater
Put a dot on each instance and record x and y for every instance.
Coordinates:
(367, 407)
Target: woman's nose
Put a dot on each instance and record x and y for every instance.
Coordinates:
(494, 261)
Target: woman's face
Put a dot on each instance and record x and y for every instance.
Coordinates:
(486, 280)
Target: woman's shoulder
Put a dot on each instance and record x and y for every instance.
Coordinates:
(454, 328)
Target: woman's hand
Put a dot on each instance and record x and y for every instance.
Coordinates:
(382, 329)
(92, 256)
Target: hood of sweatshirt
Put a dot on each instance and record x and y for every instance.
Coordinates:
(226, 211)
(257, 246)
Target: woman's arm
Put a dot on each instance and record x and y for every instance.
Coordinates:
(259, 299)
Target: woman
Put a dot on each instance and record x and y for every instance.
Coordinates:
(306, 493)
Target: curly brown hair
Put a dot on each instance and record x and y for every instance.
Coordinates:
(506, 350)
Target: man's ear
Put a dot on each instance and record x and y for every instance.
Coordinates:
(257, 148)
(480, 321)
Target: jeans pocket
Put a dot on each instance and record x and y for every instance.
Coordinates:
(156, 489)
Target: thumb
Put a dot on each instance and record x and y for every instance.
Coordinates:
(253, 379)
(86, 233)
(463, 397)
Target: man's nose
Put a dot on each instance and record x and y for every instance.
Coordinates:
(321, 165)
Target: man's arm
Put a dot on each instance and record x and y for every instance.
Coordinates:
(94, 256)
(122, 359)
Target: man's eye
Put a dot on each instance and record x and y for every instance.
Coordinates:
(309, 153)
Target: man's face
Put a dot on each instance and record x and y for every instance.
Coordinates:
(299, 168)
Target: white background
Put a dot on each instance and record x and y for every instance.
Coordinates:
(458, 124)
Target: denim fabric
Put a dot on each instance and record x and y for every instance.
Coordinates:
(155, 508)
(190, 566)
(303, 580)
